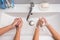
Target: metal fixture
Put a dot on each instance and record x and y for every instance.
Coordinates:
(31, 22)
(30, 12)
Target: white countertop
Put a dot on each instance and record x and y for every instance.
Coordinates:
(24, 8)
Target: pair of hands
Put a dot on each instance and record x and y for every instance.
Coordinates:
(17, 23)
(42, 21)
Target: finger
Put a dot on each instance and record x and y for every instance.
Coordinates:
(20, 19)
(45, 20)
(16, 18)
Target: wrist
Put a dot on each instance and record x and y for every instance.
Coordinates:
(12, 25)
(37, 27)
(47, 25)
(18, 28)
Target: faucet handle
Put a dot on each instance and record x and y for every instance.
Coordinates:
(32, 4)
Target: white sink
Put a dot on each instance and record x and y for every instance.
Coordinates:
(27, 30)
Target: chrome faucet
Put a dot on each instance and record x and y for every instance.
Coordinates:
(30, 11)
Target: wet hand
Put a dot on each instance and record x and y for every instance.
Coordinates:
(20, 23)
(39, 23)
(42, 21)
(15, 22)
(45, 22)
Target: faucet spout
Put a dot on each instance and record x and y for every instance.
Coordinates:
(30, 11)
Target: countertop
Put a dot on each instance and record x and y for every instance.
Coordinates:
(24, 8)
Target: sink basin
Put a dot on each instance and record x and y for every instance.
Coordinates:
(27, 30)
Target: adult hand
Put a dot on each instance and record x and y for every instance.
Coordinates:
(19, 24)
(15, 22)
(42, 21)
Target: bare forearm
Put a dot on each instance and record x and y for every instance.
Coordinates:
(53, 32)
(5, 29)
(17, 36)
(36, 34)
